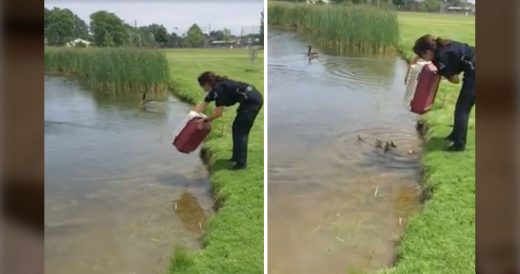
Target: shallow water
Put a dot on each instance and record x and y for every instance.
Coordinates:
(336, 201)
(118, 196)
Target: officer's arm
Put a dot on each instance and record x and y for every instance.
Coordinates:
(200, 107)
(217, 113)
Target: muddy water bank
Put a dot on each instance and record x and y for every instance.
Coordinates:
(338, 200)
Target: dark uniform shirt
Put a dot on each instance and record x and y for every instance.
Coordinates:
(455, 58)
(228, 92)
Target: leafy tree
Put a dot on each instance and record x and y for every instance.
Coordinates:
(227, 34)
(261, 33)
(62, 26)
(59, 26)
(430, 5)
(455, 2)
(108, 29)
(174, 40)
(159, 33)
(194, 37)
(185, 42)
(216, 35)
(80, 28)
(133, 36)
(46, 14)
(147, 37)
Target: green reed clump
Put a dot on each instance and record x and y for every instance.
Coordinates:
(122, 69)
(345, 29)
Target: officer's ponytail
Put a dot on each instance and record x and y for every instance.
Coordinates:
(440, 42)
(210, 78)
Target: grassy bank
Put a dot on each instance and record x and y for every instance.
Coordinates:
(441, 239)
(113, 69)
(341, 28)
(233, 242)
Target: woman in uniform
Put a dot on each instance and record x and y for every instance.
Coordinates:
(452, 58)
(226, 92)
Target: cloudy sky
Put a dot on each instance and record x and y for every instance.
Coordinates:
(176, 15)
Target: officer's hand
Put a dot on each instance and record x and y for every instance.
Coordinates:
(200, 123)
(414, 59)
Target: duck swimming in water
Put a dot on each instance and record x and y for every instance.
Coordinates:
(150, 105)
(311, 54)
(387, 146)
(145, 102)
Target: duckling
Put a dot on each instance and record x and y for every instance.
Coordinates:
(392, 144)
(379, 143)
(387, 146)
(311, 54)
(359, 138)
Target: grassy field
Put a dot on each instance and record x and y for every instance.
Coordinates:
(233, 242)
(115, 69)
(340, 28)
(441, 239)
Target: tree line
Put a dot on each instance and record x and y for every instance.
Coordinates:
(106, 29)
(410, 5)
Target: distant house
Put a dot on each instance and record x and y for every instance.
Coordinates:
(78, 42)
(318, 1)
(223, 44)
(464, 10)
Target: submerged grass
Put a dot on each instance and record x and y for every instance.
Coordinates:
(116, 69)
(441, 238)
(233, 242)
(344, 29)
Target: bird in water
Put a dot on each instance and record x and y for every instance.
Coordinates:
(389, 145)
(359, 138)
(145, 102)
(379, 143)
(412, 150)
(311, 54)
(150, 105)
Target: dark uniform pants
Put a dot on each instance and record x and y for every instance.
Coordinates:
(465, 103)
(242, 125)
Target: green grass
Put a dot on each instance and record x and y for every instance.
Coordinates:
(441, 238)
(116, 69)
(341, 28)
(233, 242)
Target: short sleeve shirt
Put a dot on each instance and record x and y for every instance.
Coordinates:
(454, 58)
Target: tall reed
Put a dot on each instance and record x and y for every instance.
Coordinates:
(344, 29)
(116, 69)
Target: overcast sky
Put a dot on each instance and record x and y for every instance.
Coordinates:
(176, 15)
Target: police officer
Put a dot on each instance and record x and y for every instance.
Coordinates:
(452, 58)
(226, 92)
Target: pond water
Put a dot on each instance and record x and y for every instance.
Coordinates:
(337, 201)
(118, 196)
